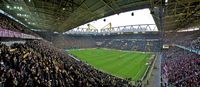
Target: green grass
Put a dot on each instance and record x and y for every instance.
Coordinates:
(125, 64)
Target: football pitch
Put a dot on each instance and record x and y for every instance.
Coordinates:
(125, 64)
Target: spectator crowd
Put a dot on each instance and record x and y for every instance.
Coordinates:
(183, 67)
(9, 24)
(36, 64)
(180, 67)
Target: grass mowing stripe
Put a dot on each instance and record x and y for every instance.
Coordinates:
(144, 67)
(124, 64)
(105, 57)
(94, 56)
(140, 69)
(112, 59)
(98, 59)
(130, 69)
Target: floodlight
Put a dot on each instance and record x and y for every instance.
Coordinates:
(8, 6)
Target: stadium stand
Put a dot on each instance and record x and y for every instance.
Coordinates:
(36, 63)
(9, 24)
(180, 67)
(139, 42)
(39, 63)
(69, 41)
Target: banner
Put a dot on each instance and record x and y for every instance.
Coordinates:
(13, 34)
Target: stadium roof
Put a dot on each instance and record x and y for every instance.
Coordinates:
(63, 15)
(178, 14)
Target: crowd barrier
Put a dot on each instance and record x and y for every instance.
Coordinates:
(197, 51)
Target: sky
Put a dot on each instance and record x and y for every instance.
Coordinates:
(141, 16)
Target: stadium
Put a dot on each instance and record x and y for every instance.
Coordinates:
(99, 43)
